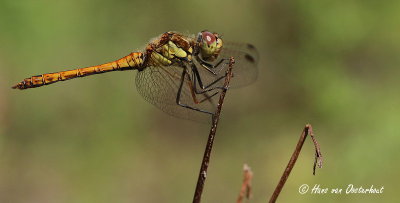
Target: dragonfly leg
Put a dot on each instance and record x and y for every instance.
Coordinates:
(178, 97)
(209, 67)
(194, 91)
(204, 88)
(208, 97)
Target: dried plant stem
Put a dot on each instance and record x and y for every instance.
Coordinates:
(245, 191)
(318, 160)
(207, 153)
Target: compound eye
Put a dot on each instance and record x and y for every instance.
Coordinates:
(208, 37)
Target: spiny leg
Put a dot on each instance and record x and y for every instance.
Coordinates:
(178, 97)
(204, 88)
(209, 67)
(191, 87)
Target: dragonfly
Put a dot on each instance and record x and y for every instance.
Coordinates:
(180, 74)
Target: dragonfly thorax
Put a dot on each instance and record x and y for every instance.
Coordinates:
(170, 49)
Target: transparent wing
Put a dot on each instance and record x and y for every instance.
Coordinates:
(160, 85)
(245, 69)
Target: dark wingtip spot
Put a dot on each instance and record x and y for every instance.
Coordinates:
(249, 58)
(250, 46)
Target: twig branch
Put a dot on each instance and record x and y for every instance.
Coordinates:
(318, 160)
(245, 191)
(206, 158)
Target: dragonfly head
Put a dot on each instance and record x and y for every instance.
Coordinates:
(210, 45)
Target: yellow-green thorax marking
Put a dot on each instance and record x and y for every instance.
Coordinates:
(177, 48)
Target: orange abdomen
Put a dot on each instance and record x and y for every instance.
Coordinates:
(130, 62)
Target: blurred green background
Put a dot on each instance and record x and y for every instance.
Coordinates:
(332, 64)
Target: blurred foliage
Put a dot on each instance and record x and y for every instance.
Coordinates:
(332, 64)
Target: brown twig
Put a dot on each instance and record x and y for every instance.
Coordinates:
(245, 190)
(318, 160)
(206, 157)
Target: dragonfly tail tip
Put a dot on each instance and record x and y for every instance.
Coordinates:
(19, 86)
